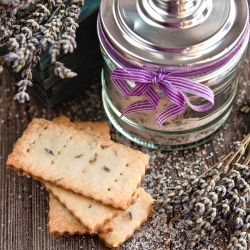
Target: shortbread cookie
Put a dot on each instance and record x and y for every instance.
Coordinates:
(91, 214)
(85, 209)
(62, 222)
(97, 168)
(128, 221)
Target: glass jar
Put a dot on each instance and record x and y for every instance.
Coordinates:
(174, 36)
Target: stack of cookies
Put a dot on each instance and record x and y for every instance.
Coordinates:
(93, 182)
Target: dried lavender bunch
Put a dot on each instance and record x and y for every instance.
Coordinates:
(28, 27)
(217, 200)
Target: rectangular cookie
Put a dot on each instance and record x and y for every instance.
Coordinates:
(128, 221)
(85, 209)
(91, 214)
(62, 222)
(97, 168)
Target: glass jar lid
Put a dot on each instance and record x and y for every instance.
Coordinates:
(171, 32)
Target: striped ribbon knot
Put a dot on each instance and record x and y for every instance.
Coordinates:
(151, 82)
(158, 77)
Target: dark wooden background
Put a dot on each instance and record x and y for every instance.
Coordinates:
(24, 203)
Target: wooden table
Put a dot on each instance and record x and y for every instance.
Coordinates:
(24, 202)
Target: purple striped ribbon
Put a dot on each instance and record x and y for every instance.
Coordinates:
(172, 81)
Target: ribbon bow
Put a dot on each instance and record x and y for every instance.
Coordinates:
(148, 83)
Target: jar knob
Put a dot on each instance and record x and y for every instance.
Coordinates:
(177, 7)
(176, 13)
